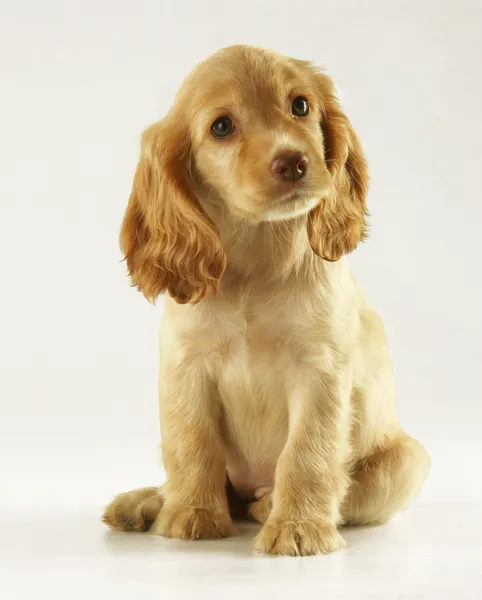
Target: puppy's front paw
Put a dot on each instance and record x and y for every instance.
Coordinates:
(298, 538)
(192, 523)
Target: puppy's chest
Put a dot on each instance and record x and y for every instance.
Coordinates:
(254, 353)
(249, 368)
(255, 357)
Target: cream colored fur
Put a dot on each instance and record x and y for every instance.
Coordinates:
(276, 393)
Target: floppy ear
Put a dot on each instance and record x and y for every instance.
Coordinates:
(338, 223)
(168, 241)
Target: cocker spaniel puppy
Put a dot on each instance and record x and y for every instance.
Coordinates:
(276, 393)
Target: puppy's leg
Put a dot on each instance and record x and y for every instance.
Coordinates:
(195, 504)
(386, 482)
(310, 476)
(135, 510)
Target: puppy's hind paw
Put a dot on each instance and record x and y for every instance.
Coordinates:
(135, 510)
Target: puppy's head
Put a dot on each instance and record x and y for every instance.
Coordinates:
(264, 137)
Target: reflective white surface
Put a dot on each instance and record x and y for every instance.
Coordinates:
(432, 552)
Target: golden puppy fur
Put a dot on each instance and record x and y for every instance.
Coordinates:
(276, 393)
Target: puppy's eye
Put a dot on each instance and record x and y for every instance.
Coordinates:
(300, 106)
(222, 127)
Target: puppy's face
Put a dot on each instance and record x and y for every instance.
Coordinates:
(256, 138)
(258, 134)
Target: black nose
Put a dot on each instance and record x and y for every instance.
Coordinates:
(290, 166)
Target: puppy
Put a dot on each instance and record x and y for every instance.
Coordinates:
(276, 393)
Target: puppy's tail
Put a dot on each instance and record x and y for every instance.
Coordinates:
(134, 511)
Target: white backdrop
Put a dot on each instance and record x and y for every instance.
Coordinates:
(78, 357)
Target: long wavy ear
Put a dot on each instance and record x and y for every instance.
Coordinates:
(168, 241)
(338, 224)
